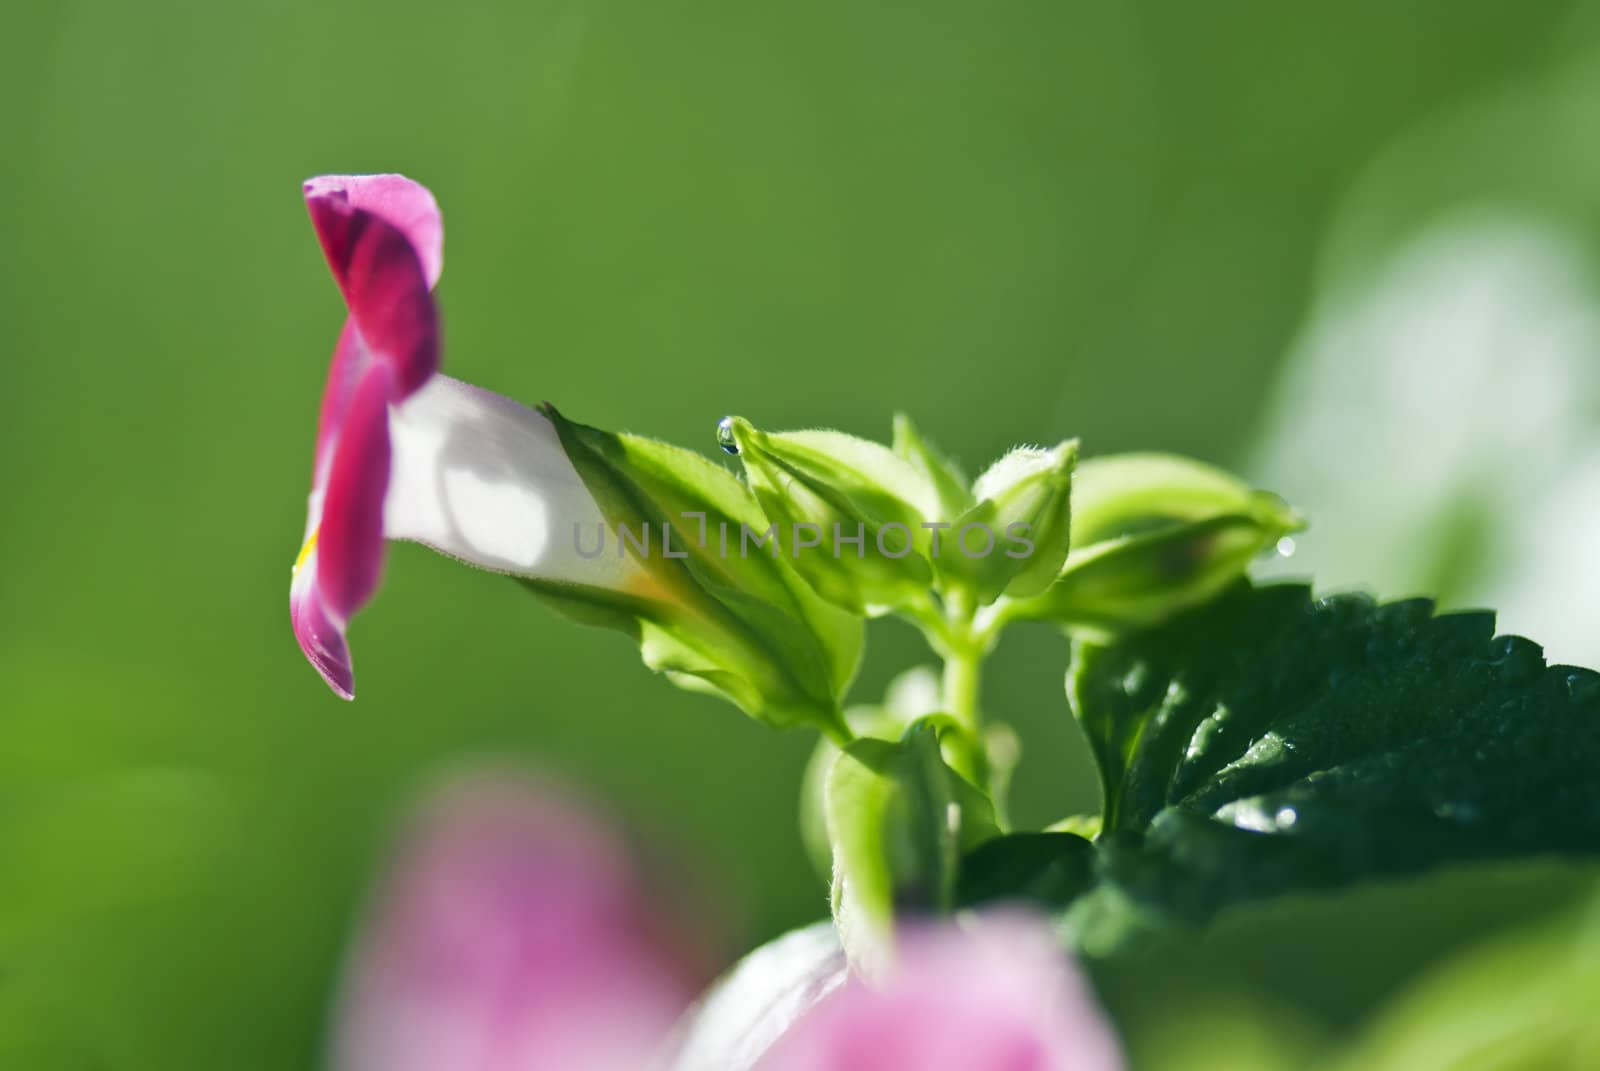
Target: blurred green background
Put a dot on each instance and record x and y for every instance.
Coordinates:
(1017, 221)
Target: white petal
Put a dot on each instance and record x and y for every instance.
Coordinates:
(481, 478)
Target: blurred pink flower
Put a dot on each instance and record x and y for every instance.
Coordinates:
(997, 995)
(512, 935)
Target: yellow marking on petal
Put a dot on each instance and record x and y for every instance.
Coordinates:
(305, 552)
(644, 584)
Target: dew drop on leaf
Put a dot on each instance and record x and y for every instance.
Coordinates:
(1518, 660)
(725, 435)
(1583, 686)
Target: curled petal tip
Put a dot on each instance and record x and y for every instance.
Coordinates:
(322, 641)
(383, 275)
(402, 203)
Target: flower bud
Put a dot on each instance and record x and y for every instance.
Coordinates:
(848, 512)
(1153, 535)
(1014, 540)
(716, 607)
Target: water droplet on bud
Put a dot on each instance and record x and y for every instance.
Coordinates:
(1285, 547)
(725, 435)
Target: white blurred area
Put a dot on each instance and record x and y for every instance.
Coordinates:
(1439, 421)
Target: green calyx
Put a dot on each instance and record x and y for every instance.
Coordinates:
(711, 614)
(1013, 540)
(1154, 535)
(848, 513)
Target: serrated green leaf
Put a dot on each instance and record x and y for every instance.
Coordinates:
(1273, 742)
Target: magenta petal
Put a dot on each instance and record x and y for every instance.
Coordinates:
(997, 996)
(344, 372)
(321, 639)
(513, 934)
(384, 286)
(405, 205)
(350, 536)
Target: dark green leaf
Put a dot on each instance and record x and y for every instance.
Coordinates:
(1050, 868)
(1271, 742)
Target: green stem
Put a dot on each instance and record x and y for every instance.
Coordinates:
(962, 675)
(961, 635)
(963, 662)
(963, 651)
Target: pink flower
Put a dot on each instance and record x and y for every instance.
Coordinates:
(384, 241)
(512, 935)
(998, 995)
(406, 453)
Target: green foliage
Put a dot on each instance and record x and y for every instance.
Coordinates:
(849, 513)
(1524, 1001)
(740, 625)
(911, 695)
(951, 489)
(1272, 742)
(1048, 868)
(966, 217)
(898, 819)
(1123, 495)
(1153, 535)
(1023, 510)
